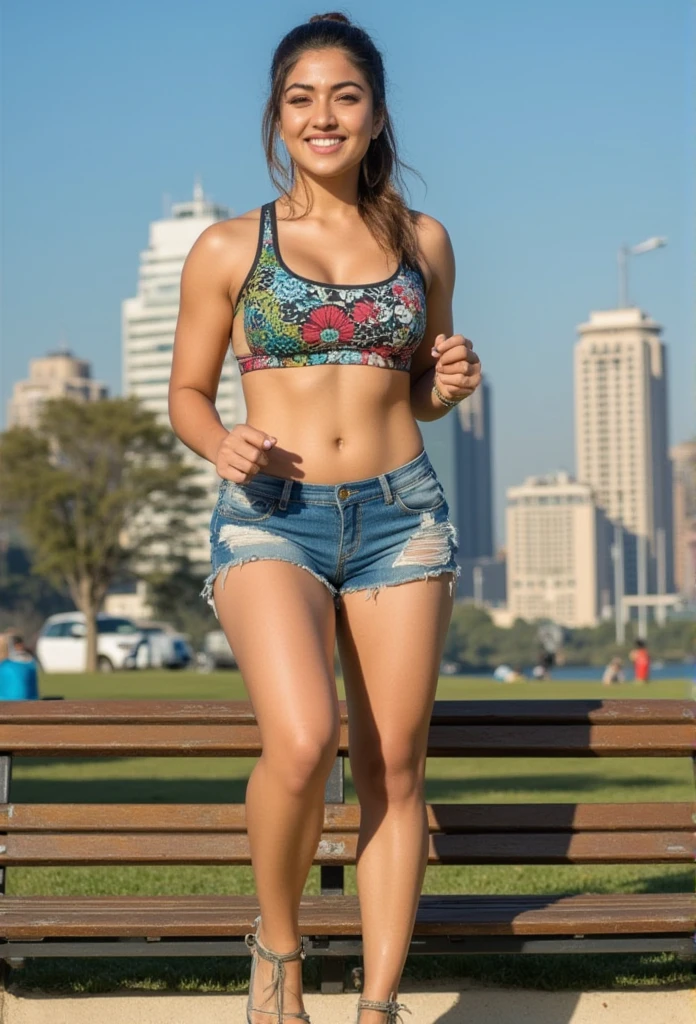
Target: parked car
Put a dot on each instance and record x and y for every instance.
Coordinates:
(62, 642)
(161, 647)
(217, 653)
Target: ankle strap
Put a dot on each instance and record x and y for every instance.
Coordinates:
(390, 1007)
(253, 942)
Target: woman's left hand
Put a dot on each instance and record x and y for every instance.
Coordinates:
(458, 368)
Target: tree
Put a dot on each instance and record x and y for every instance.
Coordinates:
(98, 487)
(174, 595)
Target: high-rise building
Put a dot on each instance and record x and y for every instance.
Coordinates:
(58, 374)
(684, 472)
(148, 326)
(558, 552)
(471, 424)
(621, 435)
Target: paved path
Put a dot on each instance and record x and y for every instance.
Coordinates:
(441, 1005)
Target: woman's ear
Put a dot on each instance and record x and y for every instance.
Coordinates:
(377, 123)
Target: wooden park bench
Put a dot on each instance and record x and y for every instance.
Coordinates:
(514, 834)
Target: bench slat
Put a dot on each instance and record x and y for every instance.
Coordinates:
(210, 712)
(340, 848)
(39, 917)
(177, 740)
(452, 818)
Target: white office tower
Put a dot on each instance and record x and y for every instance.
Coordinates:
(621, 436)
(558, 552)
(148, 325)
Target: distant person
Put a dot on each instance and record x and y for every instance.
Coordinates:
(18, 675)
(614, 672)
(542, 670)
(507, 674)
(640, 657)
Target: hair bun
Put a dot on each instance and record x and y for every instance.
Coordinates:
(331, 16)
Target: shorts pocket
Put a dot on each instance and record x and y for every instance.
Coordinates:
(423, 496)
(237, 501)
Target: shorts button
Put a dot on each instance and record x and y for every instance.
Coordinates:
(343, 492)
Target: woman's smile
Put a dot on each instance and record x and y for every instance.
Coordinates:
(325, 143)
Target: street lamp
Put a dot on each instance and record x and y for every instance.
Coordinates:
(633, 250)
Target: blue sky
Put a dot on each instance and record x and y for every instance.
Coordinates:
(548, 133)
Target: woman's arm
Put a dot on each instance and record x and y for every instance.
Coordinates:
(201, 341)
(436, 250)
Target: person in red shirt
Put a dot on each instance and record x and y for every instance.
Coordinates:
(641, 661)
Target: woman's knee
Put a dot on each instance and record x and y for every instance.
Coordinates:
(303, 758)
(391, 770)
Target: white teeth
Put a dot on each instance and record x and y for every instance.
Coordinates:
(325, 142)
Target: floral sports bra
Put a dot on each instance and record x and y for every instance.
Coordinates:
(290, 320)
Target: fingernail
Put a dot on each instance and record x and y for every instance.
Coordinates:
(267, 443)
(434, 351)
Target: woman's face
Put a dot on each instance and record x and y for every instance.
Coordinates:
(326, 113)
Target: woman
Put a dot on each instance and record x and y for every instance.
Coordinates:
(331, 524)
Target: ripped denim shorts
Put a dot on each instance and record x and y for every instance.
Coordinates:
(357, 535)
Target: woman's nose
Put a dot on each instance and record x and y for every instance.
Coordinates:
(324, 116)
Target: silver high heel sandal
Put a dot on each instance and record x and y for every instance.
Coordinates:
(390, 1007)
(278, 960)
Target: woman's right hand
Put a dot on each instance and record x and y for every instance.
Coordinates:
(242, 453)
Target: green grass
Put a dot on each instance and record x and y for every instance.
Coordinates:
(476, 781)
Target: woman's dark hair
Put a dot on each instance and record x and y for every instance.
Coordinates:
(380, 185)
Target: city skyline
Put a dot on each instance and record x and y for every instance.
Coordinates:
(538, 188)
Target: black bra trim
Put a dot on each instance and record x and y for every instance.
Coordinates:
(322, 284)
(257, 256)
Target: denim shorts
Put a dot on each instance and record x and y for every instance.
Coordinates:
(357, 535)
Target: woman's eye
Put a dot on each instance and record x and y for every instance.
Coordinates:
(349, 97)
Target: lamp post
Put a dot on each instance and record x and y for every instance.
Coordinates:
(633, 250)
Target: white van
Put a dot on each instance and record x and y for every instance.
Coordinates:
(62, 642)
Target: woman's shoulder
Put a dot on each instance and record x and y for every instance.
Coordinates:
(224, 250)
(231, 232)
(434, 243)
(431, 231)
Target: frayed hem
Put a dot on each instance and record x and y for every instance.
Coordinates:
(207, 591)
(428, 574)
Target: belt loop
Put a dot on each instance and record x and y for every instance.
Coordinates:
(386, 489)
(285, 496)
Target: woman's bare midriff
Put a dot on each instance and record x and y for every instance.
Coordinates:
(333, 423)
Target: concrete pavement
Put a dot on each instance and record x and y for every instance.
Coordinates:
(454, 1003)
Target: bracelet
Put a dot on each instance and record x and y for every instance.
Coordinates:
(449, 402)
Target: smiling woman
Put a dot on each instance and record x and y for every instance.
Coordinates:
(363, 112)
(331, 524)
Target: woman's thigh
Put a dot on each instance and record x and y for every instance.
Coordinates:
(281, 624)
(390, 650)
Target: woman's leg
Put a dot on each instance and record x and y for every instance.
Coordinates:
(280, 623)
(390, 650)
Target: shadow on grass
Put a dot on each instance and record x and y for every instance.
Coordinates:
(143, 789)
(437, 790)
(225, 790)
(557, 972)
